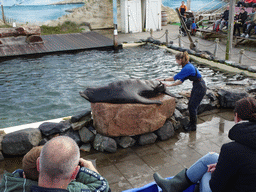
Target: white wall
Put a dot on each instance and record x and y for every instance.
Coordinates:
(131, 16)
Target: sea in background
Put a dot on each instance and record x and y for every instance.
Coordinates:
(34, 11)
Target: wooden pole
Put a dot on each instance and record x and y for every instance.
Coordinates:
(188, 4)
(3, 14)
(115, 24)
(192, 45)
(230, 29)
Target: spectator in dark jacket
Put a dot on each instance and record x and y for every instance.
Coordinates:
(223, 21)
(250, 23)
(233, 169)
(241, 3)
(239, 21)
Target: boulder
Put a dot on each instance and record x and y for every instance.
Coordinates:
(2, 134)
(228, 98)
(131, 119)
(102, 143)
(166, 132)
(206, 105)
(72, 134)
(86, 135)
(86, 147)
(77, 117)
(126, 141)
(49, 128)
(147, 138)
(20, 142)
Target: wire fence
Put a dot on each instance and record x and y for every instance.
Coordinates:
(216, 45)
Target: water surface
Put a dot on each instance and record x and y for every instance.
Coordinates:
(43, 88)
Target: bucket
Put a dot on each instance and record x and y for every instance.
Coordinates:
(164, 18)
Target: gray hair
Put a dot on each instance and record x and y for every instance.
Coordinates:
(59, 158)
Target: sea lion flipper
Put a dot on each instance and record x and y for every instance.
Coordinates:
(84, 96)
(168, 93)
(144, 100)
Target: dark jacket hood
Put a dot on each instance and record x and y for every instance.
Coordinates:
(244, 133)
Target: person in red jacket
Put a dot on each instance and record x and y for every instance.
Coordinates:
(249, 3)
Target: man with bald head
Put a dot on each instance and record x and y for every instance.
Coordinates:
(57, 165)
(51, 167)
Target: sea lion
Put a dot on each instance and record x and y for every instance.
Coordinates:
(127, 91)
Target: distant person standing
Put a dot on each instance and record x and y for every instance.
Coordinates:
(183, 8)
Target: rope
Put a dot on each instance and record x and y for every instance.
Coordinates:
(159, 37)
(221, 49)
(184, 41)
(249, 57)
(206, 45)
(228, 53)
(173, 39)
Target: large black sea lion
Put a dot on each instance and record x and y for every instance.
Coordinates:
(127, 91)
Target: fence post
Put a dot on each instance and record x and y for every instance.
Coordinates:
(196, 43)
(3, 14)
(179, 40)
(151, 33)
(216, 46)
(166, 37)
(241, 55)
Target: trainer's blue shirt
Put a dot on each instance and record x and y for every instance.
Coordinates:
(186, 71)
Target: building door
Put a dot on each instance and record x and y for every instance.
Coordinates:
(152, 15)
(134, 16)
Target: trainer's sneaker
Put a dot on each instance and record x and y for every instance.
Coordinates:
(247, 36)
(243, 35)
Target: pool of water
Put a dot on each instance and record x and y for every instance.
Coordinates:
(43, 88)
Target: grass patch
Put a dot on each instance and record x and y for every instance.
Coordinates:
(66, 27)
(5, 26)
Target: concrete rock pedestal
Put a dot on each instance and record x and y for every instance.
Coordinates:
(131, 119)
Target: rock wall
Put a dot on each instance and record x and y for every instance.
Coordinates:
(80, 126)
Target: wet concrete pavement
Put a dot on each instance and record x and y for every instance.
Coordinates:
(134, 167)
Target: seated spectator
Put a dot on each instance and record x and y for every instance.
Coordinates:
(233, 169)
(223, 21)
(249, 3)
(250, 23)
(87, 179)
(240, 3)
(239, 21)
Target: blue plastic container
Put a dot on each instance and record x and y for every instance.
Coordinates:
(152, 187)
